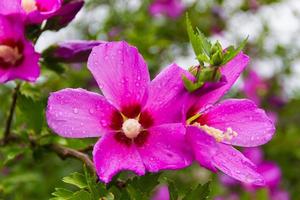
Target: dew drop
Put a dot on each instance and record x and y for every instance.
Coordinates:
(75, 110)
(91, 110)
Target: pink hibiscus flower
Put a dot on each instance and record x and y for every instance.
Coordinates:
(35, 10)
(18, 60)
(133, 118)
(215, 128)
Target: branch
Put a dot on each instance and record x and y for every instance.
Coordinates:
(65, 152)
(11, 113)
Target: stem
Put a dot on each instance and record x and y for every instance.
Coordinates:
(65, 152)
(11, 112)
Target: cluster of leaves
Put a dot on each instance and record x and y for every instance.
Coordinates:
(210, 57)
(136, 188)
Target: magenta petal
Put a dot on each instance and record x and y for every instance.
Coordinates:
(77, 113)
(120, 72)
(204, 147)
(212, 154)
(110, 157)
(271, 173)
(29, 69)
(231, 71)
(235, 164)
(46, 9)
(167, 95)
(241, 115)
(73, 51)
(171, 8)
(254, 84)
(254, 154)
(280, 195)
(166, 148)
(11, 7)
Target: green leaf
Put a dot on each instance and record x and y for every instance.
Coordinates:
(33, 112)
(201, 192)
(199, 43)
(231, 52)
(173, 191)
(81, 195)
(76, 179)
(190, 85)
(62, 193)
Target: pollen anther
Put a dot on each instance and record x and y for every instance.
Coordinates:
(217, 133)
(131, 128)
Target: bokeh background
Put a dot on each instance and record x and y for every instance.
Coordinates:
(273, 26)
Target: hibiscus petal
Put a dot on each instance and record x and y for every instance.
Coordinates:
(241, 115)
(111, 156)
(120, 72)
(167, 95)
(212, 154)
(235, 164)
(203, 146)
(77, 113)
(29, 69)
(166, 148)
(231, 71)
(11, 7)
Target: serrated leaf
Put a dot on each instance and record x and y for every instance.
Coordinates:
(76, 179)
(206, 43)
(81, 195)
(201, 192)
(231, 52)
(63, 193)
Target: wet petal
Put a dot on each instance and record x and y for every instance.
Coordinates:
(167, 95)
(77, 113)
(120, 72)
(166, 148)
(212, 154)
(111, 157)
(235, 164)
(252, 125)
(203, 146)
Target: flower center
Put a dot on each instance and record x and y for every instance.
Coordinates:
(131, 128)
(29, 5)
(217, 133)
(10, 55)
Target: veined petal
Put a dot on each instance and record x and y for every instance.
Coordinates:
(120, 72)
(111, 157)
(252, 125)
(166, 148)
(212, 154)
(231, 71)
(167, 95)
(203, 145)
(77, 113)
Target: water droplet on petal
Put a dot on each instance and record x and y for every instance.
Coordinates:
(75, 110)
